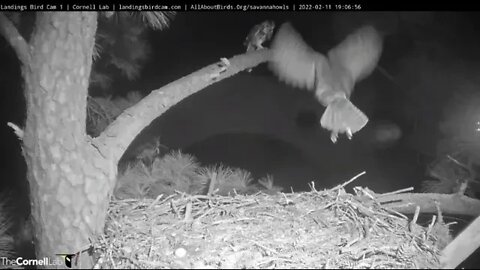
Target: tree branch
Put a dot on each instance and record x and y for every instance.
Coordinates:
(453, 204)
(15, 39)
(120, 133)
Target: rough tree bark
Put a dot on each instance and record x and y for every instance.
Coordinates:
(69, 179)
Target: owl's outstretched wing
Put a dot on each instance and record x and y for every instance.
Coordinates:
(293, 61)
(358, 54)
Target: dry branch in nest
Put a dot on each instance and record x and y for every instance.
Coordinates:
(317, 229)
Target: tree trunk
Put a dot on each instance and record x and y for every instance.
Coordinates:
(69, 179)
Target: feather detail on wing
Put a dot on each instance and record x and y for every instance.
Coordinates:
(357, 54)
(293, 61)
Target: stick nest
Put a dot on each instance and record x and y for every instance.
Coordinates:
(317, 229)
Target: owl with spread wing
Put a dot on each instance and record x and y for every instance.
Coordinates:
(332, 76)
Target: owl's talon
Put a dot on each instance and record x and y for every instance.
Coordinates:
(349, 133)
(334, 137)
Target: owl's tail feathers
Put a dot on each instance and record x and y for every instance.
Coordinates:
(341, 116)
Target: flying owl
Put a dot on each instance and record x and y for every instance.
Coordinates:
(332, 76)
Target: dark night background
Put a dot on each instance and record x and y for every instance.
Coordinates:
(255, 122)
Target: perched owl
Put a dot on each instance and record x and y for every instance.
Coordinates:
(332, 77)
(259, 34)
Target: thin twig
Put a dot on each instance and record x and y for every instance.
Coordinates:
(430, 227)
(213, 181)
(15, 39)
(188, 211)
(17, 130)
(386, 73)
(458, 162)
(351, 180)
(264, 247)
(415, 218)
(155, 201)
(395, 192)
(312, 186)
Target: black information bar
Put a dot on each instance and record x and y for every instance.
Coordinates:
(309, 6)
